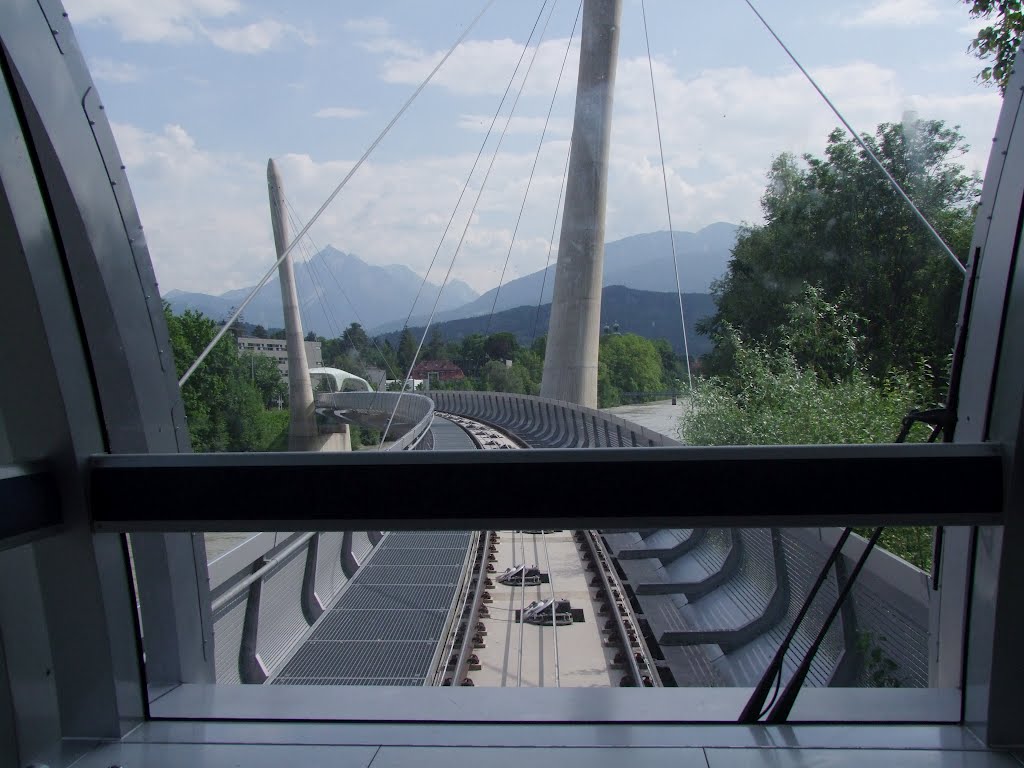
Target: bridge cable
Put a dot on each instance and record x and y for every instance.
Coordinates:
(668, 207)
(554, 600)
(533, 170)
(551, 243)
(472, 170)
(469, 221)
(522, 607)
(330, 198)
(344, 293)
(314, 281)
(863, 145)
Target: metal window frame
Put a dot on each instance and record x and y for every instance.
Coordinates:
(104, 384)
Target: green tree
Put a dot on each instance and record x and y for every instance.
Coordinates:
(224, 399)
(434, 349)
(627, 363)
(406, 350)
(811, 389)
(471, 355)
(835, 223)
(515, 378)
(259, 332)
(355, 339)
(264, 376)
(999, 41)
(501, 346)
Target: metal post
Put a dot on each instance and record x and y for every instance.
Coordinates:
(302, 433)
(570, 360)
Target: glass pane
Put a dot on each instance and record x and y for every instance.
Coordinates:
(693, 608)
(818, 309)
(798, 300)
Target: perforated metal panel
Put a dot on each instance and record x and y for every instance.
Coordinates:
(227, 637)
(385, 626)
(361, 545)
(329, 576)
(281, 621)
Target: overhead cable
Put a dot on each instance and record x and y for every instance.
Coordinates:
(668, 207)
(369, 150)
(533, 169)
(476, 161)
(863, 145)
(551, 243)
(462, 239)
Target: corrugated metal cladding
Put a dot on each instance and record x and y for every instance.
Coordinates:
(329, 576)
(227, 636)
(385, 626)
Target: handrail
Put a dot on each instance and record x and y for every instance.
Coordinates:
(411, 408)
(279, 559)
(482, 406)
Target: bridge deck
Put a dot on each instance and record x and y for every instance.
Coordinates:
(385, 625)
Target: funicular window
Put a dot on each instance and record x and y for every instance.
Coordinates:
(809, 327)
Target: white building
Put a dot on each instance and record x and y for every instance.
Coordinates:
(278, 350)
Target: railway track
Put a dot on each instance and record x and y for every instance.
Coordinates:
(490, 644)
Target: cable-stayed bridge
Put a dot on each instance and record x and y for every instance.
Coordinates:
(707, 607)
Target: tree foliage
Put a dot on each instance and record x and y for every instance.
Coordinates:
(998, 42)
(811, 388)
(627, 363)
(225, 398)
(835, 223)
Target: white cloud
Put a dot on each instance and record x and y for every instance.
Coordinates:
(895, 13)
(477, 66)
(340, 113)
(108, 70)
(258, 37)
(144, 21)
(206, 212)
(182, 21)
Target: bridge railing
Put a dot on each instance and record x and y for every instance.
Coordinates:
(545, 423)
(413, 413)
(269, 590)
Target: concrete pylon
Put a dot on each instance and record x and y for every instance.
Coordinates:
(302, 432)
(570, 363)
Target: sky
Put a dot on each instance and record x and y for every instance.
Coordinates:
(202, 92)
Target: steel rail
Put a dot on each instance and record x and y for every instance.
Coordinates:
(644, 648)
(474, 613)
(443, 655)
(620, 626)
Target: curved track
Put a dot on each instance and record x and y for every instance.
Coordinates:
(502, 651)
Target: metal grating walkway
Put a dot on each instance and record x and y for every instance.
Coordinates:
(385, 626)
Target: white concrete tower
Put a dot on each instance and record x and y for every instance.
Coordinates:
(570, 363)
(302, 432)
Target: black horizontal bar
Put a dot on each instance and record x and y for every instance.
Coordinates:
(29, 503)
(933, 484)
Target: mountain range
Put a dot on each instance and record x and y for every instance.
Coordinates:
(337, 288)
(642, 262)
(651, 314)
